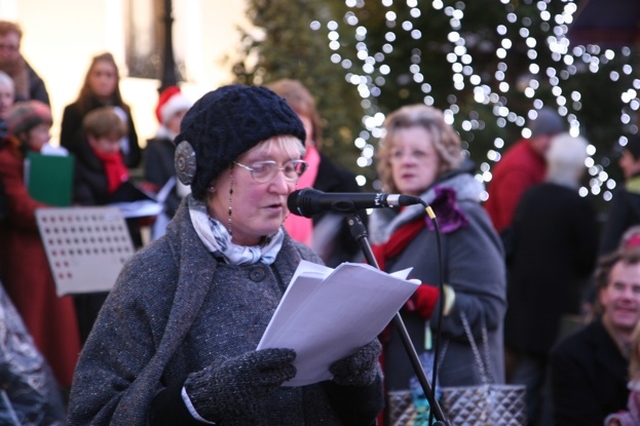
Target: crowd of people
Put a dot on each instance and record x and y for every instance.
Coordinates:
(555, 301)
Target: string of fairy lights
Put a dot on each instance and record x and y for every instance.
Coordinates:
(370, 72)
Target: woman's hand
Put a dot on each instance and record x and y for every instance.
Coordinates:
(359, 369)
(236, 391)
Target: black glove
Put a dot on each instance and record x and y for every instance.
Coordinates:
(236, 391)
(360, 368)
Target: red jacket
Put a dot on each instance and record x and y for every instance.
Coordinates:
(26, 276)
(519, 168)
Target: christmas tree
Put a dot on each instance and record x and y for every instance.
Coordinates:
(488, 64)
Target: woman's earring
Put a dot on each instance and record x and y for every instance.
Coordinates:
(211, 189)
(230, 208)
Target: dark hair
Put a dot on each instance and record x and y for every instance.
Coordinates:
(629, 256)
(86, 95)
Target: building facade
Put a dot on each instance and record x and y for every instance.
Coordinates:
(61, 37)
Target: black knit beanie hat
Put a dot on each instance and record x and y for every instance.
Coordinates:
(224, 124)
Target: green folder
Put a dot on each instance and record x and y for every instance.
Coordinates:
(49, 178)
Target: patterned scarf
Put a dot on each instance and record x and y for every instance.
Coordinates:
(218, 241)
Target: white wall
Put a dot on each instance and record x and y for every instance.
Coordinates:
(61, 36)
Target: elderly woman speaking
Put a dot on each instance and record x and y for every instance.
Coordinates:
(175, 342)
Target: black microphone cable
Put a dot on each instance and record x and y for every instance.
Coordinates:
(441, 303)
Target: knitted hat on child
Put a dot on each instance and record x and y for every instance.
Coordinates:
(171, 101)
(26, 115)
(224, 124)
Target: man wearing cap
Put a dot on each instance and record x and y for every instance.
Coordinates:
(624, 209)
(522, 166)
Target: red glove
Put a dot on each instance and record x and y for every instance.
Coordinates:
(423, 300)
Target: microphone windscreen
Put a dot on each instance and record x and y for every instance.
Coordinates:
(298, 202)
(292, 201)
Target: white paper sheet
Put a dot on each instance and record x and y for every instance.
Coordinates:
(326, 314)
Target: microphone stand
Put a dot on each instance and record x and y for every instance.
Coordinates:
(359, 232)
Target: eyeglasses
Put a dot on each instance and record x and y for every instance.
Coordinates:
(264, 171)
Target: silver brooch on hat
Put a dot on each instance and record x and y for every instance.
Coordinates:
(185, 162)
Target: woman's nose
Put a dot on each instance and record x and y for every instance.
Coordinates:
(280, 182)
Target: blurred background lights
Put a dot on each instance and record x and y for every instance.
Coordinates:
(368, 71)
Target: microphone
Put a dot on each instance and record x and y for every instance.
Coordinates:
(308, 202)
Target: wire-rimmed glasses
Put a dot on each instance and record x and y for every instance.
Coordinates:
(264, 171)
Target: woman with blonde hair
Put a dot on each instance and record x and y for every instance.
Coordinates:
(420, 155)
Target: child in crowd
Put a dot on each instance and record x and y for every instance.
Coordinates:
(100, 171)
(100, 168)
(24, 269)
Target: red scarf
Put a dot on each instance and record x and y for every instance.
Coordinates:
(114, 169)
(397, 242)
(424, 299)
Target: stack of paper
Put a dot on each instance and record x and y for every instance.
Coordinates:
(326, 314)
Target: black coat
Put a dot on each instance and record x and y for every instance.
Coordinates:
(91, 189)
(588, 378)
(159, 168)
(37, 88)
(623, 212)
(555, 250)
(71, 134)
(342, 247)
(90, 186)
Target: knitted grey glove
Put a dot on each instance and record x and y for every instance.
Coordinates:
(359, 369)
(236, 391)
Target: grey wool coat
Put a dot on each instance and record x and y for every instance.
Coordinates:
(473, 267)
(175, 310)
